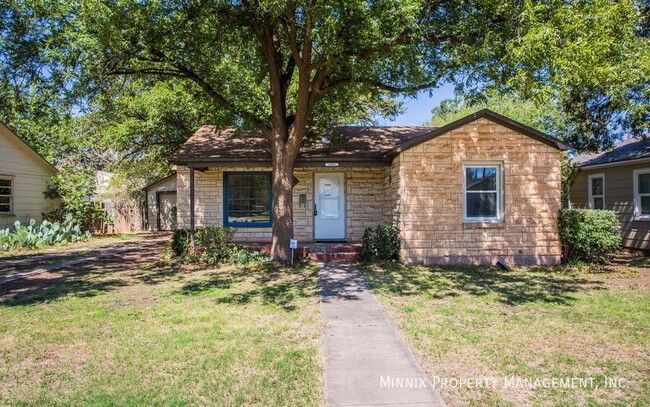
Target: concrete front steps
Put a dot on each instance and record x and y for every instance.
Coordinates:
(338, 252)
(319, 252)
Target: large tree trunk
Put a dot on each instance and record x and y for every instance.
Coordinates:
(283, 163)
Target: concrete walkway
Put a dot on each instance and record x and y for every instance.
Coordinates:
(366, 360)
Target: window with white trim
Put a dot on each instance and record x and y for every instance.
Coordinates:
(596, 191)
(642, 194)
(6, 194)
(483, 193)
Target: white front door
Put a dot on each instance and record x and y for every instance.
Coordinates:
(329, 206)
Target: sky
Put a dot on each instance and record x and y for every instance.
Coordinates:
(418, 111)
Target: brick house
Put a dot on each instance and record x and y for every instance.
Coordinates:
(479, 190)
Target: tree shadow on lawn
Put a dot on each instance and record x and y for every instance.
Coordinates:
(89, 279)
(46, 287)
(269, 282)
(510, 287)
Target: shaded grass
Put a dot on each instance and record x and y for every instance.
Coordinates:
(95, 240)
(528, 323)
(164, 334)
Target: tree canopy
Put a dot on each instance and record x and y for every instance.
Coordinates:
(132, 76)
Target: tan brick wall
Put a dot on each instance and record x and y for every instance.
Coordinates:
(364, 201)
(428, 204)
(392, 197)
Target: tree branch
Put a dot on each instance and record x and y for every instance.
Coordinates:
(373, 82)
(406, 38)
(222, 101)
(159, 72)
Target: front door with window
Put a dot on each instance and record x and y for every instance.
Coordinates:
(329, 206)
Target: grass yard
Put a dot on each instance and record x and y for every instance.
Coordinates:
(466, 322)
(163, 334)
(95, 240)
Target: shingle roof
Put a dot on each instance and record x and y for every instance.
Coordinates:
(630, 149)
(346, 142)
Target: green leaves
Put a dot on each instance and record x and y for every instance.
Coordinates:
(33, 236)
(589, 235)
(75, 188)
(590, 61)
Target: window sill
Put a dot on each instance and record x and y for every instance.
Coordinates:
(248, 225)
(7, 214)
(641, 219)
(484, 225)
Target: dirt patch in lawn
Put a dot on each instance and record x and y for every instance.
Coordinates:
(625, 269)
(640, 278)
(135, 296)
(48, 285)
(94, 242)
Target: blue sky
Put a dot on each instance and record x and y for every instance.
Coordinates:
(418, 111)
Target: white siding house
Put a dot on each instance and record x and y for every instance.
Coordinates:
(24, 176)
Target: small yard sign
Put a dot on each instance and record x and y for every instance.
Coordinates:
(293, 244)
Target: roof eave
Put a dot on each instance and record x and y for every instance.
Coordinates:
(300, 162)
(483, 113)
(153, 184)
(49, 164)
(616, 163)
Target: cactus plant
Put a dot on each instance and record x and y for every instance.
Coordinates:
(33, 236)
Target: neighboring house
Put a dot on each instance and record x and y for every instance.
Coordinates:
(161, 204)
(618, 179)
(479, 190)
(24, 176)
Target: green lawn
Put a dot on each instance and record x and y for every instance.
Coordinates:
(466, 322)
(164, 334)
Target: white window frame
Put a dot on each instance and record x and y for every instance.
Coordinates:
(499, 218)
(592, 205)
(11, 196)
(637, 195)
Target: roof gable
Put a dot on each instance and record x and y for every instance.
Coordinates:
(488, 114)
(6, 132)
(160, 181)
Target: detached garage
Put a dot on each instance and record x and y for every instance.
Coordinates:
(161, 204)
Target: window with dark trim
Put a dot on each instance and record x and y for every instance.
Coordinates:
(247, 199)
(6, 194)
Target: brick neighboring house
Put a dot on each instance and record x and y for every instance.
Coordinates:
(619, 180)
(479, 190)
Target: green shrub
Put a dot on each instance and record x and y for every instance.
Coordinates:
(213, 245)
(380, 244)
(588, 235)
(33, 236)
(75, 187)
(180, 241)
(213, 237)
